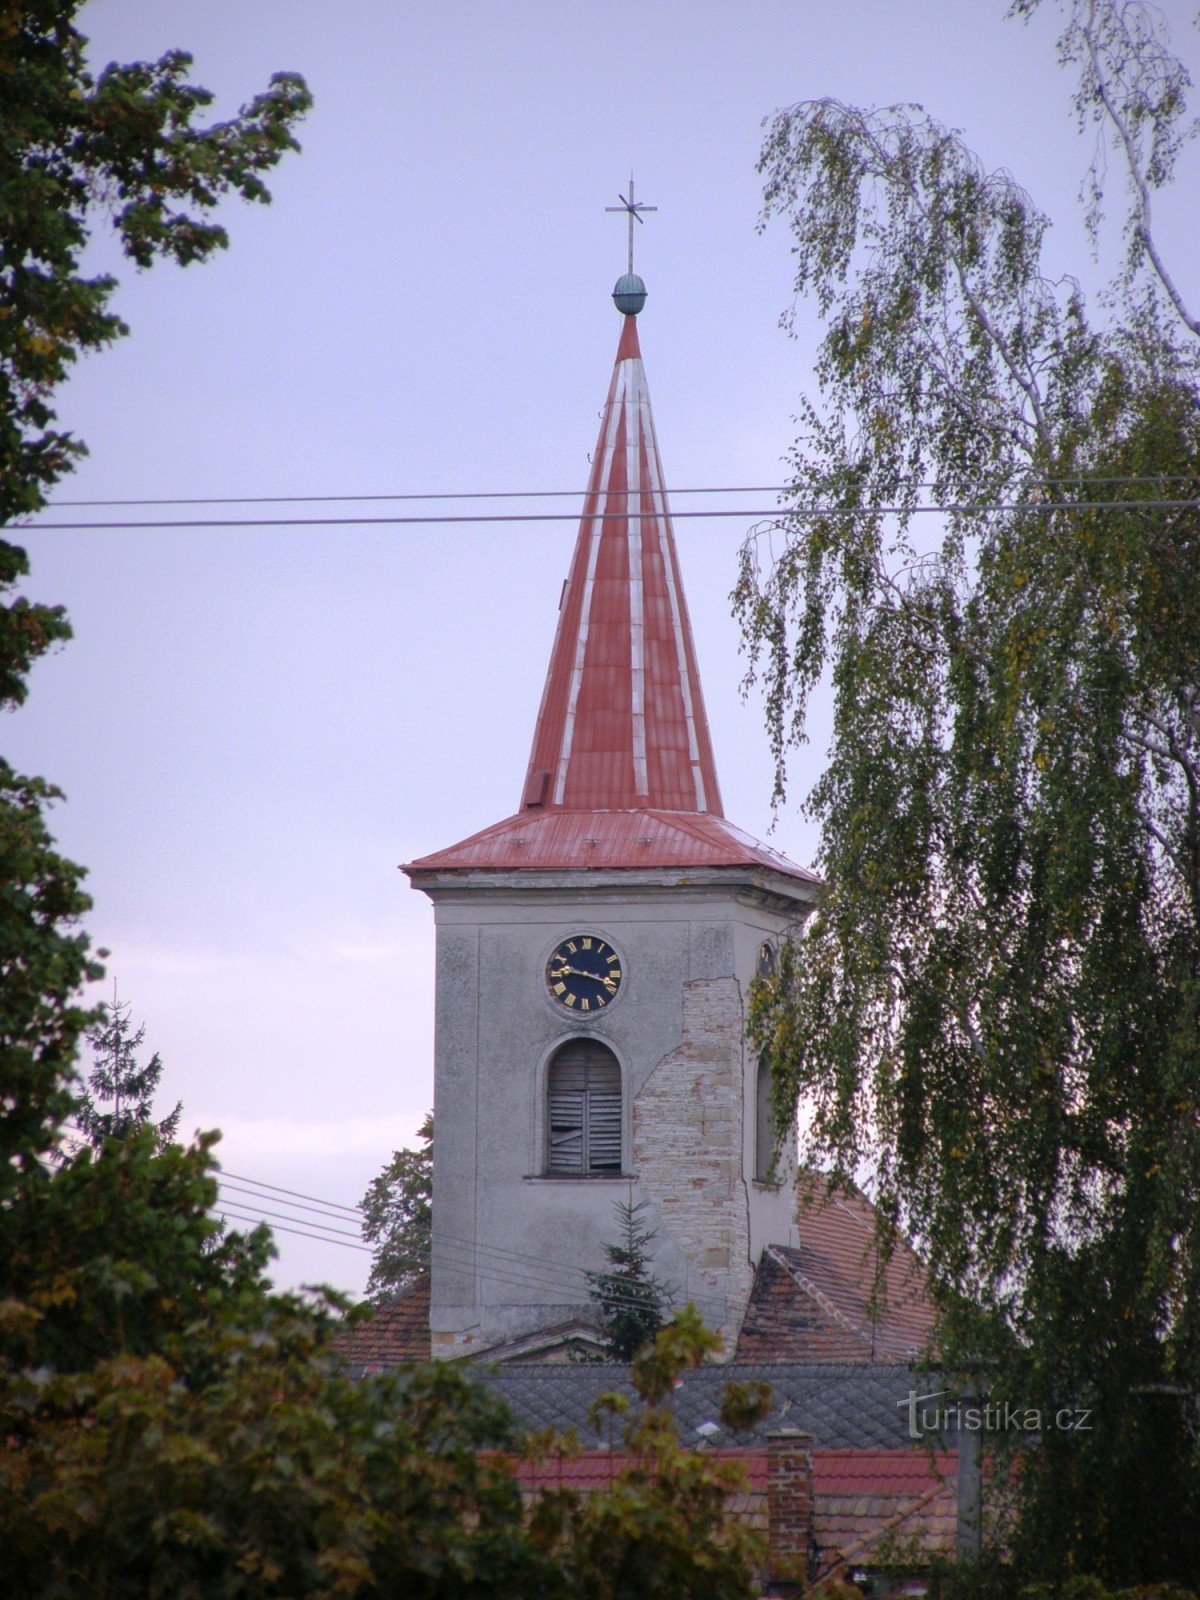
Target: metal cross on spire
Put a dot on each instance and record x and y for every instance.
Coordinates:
(635, 209)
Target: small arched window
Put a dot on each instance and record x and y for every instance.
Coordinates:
(764, 1127)
(583, 1104)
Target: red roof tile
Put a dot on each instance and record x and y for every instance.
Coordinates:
(859, 1496)
(396, 1332)
(813, 1303)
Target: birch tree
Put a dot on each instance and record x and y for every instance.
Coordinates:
(996, 1009)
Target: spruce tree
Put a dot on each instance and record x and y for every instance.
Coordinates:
(631, 1301)
(118, 1083)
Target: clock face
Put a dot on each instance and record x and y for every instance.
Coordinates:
(584, 974)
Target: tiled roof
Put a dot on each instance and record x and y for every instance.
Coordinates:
(622, 719)
(856, 1405)
(598, 1470)
(813, 1302)
(396, 1333)
(808, 1304)
(859, 1496)
(619, 838)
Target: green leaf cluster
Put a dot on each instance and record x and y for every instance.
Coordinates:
(995, 1010)
(173, 1428)
(169, 1425)
(74, 146)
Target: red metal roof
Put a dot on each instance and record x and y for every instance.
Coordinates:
(593, 839)
(621, 772)
(622, 720)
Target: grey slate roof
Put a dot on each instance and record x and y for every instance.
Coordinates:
(853, 1405)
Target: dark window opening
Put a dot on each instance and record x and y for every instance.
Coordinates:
(583, 1094)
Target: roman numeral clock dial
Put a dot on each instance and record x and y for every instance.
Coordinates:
(584, 974)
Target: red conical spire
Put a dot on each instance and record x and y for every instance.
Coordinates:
(622, 774)
(622, 723)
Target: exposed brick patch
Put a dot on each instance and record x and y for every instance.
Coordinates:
(687, 1146)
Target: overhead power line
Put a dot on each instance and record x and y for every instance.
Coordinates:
(496, 1263)
(469, 1255)
(355, 1212)
(239, 1216)
(779, 513)
(525, 1258)
(566, 1291)
(334, 1205)
(461, 494)
(529, 494)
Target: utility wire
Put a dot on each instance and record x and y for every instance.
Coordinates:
(227, 1211)
(530, 494)
(517, 1256)
(520, 1258)
(779, 513)
(516, 1268)
(248, 1186)
(334, 1205)
(566, 1292)
(459, 1254)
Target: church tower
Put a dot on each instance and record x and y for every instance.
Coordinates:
(594, 952)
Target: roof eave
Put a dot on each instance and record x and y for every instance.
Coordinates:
(759, 879)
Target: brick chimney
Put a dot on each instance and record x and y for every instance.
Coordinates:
(789, 1509)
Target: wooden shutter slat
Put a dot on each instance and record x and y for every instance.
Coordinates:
(583, 1102)
(604, 1130)
(566, 1130)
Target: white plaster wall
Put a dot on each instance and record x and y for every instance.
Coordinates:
(510, 1243)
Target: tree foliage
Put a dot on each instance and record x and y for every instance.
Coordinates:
(126, 144)
(75, 149)
(118, 1080)
(662, 1527)
(997, 1006)
(210, 1445)
(630, 1301)
(43, 962)
(397, 1214)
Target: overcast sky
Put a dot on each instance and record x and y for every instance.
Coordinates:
(255, 726)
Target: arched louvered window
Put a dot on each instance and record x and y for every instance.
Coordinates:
(764, 1130)
(583, 1095)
